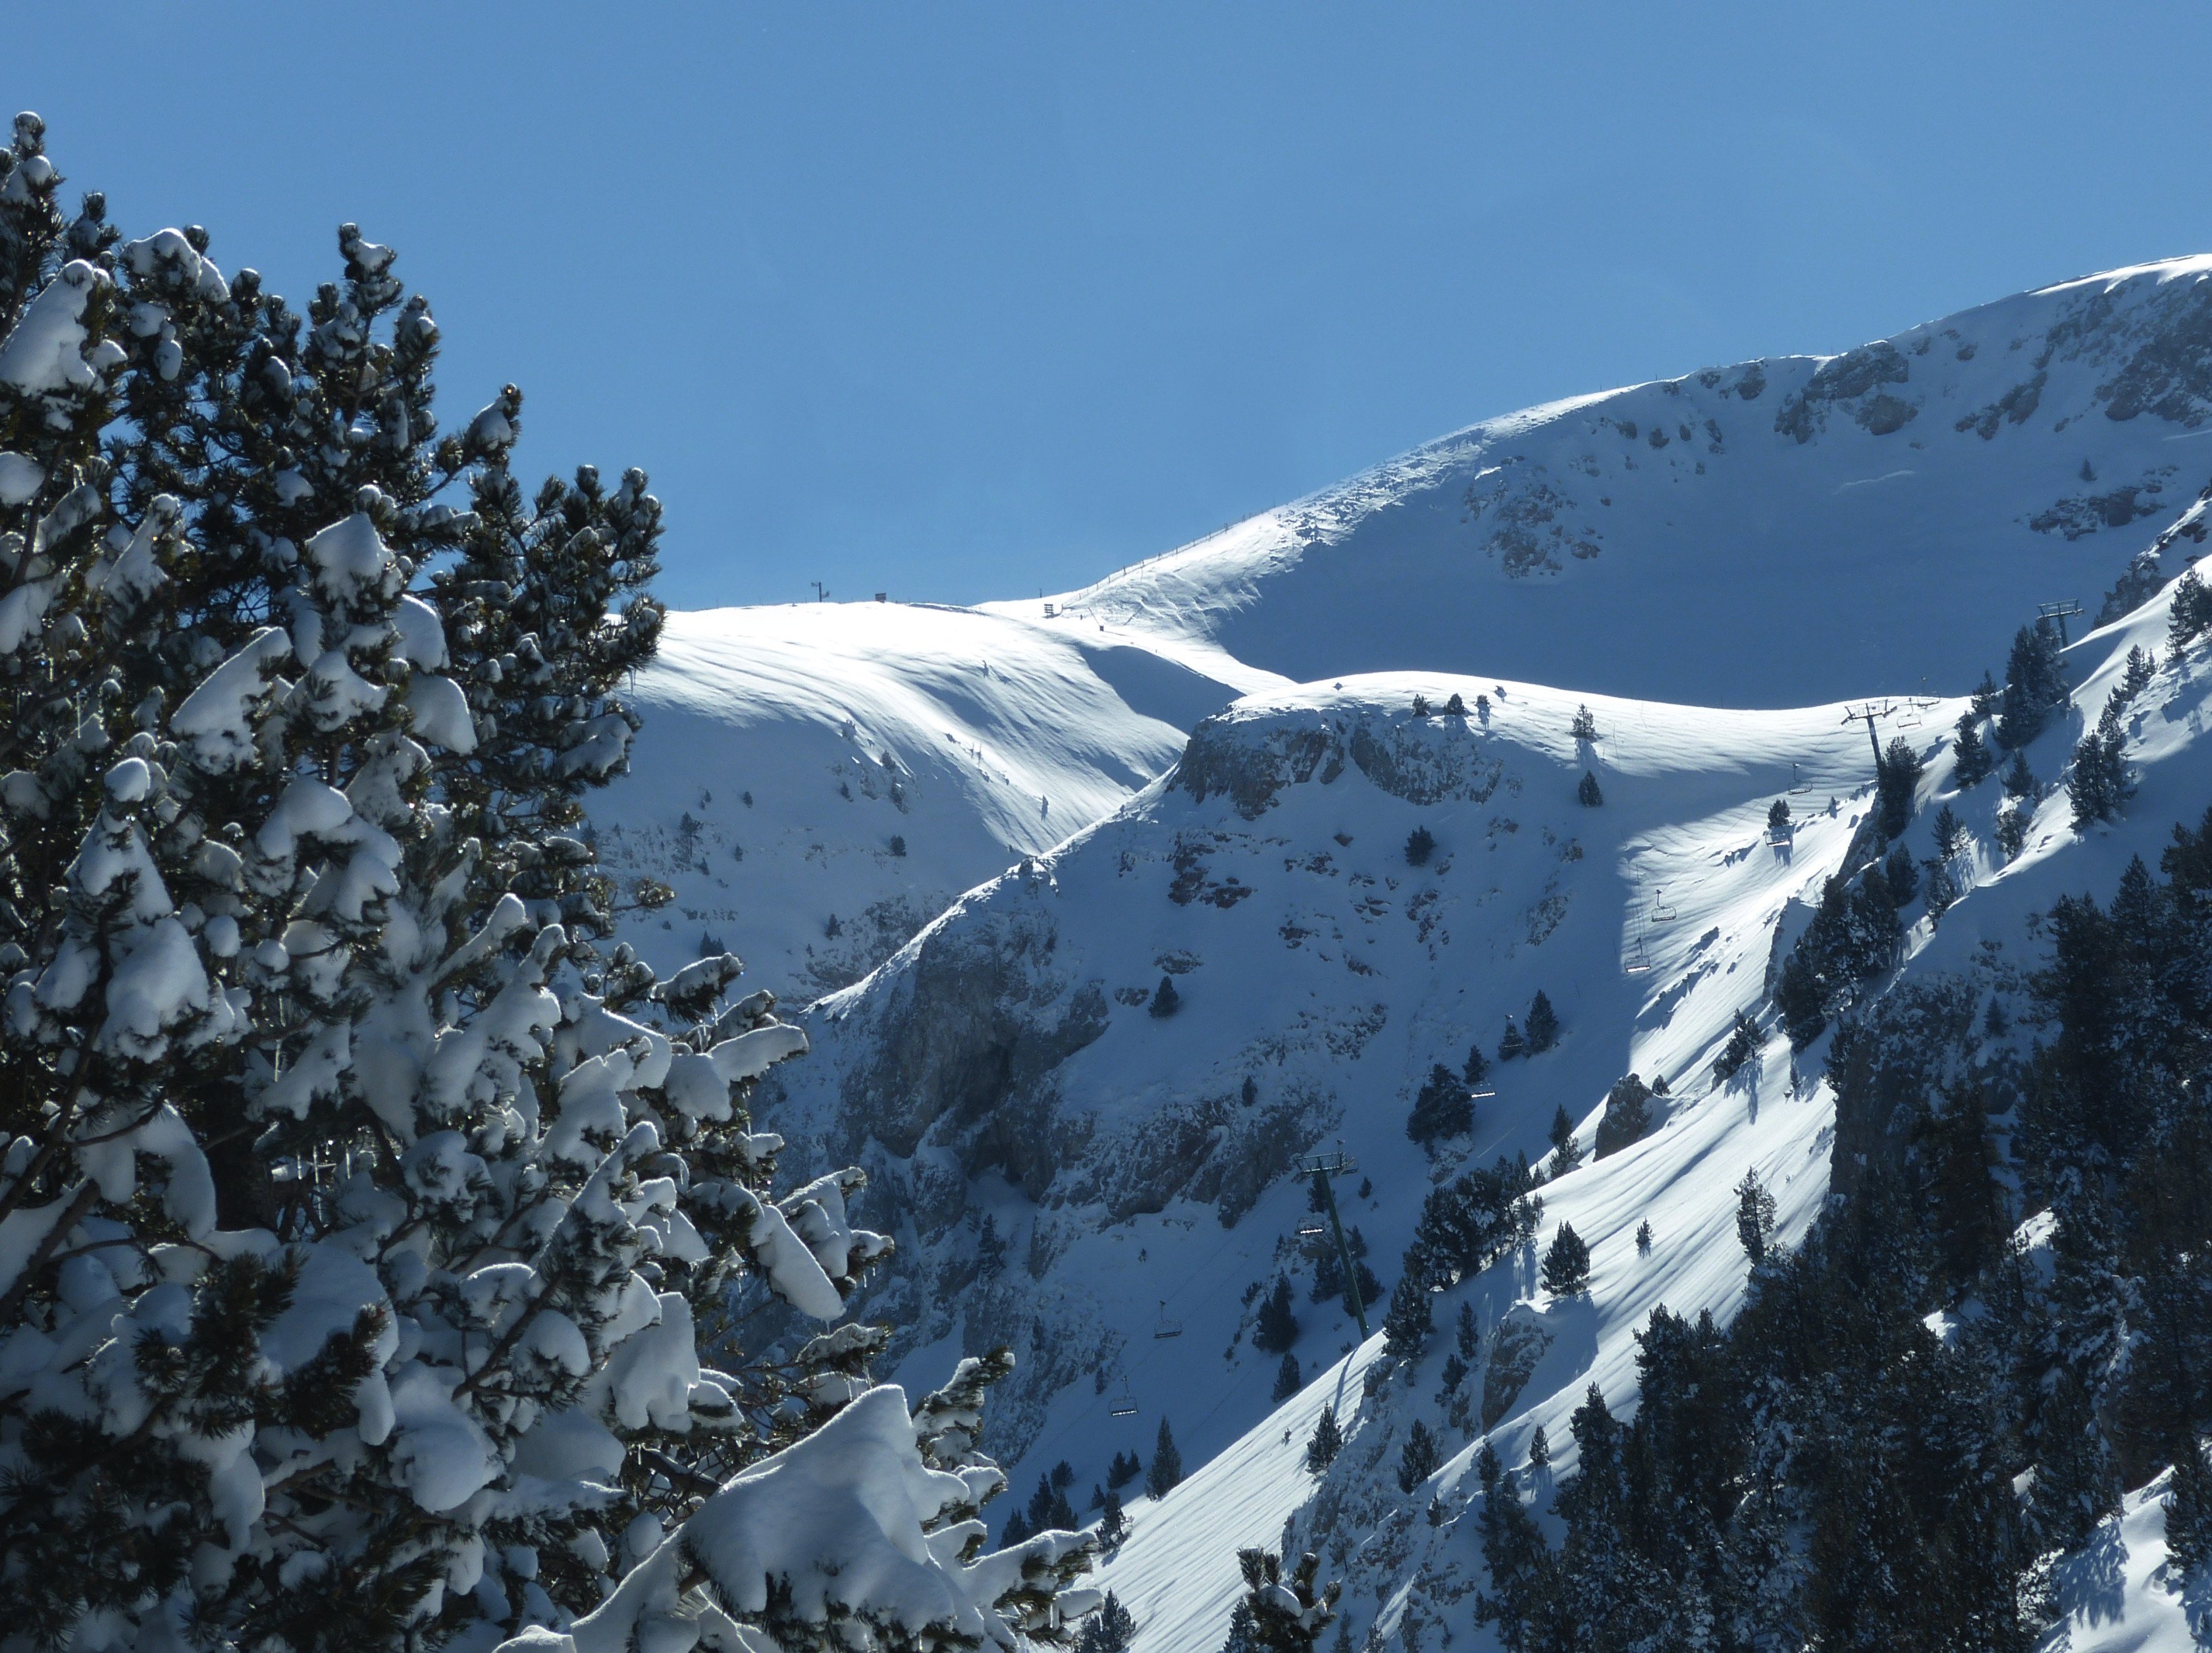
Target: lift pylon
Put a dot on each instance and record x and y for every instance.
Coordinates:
(1321, 1167)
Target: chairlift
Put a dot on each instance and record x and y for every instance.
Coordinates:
(1164, 1326)
(1310, 1230)
(1661, 912)
(1481, 1096)
(1638, 961)
(1123, 1405)
(1781, 839)
(1798, 784)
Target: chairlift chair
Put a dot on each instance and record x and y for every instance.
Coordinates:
(1638, 961)
(1123, 1405)
(1310, 1230)
(1481, 1096)
(1798, 784)
(1164, 1326)
(1661, 912)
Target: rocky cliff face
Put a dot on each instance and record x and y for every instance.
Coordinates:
(1012, 1063)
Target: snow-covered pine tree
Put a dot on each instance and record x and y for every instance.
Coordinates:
(1588, 793)
(2190, 614)
(1627, 1116)
(1407, 1323)
(1584, 726)
(2035, 681)
(372, 1233)
(1897, 780)
(1290, 1377)
(1971, 760)
(1285, 1613)
(2097, 784)
(1512, 1044)
(1566, 1272)
(1743, 1043)
(1566, 1149)
(1754, 1216)
(2141, 667)
(1109, 1630)
(1419, 1457)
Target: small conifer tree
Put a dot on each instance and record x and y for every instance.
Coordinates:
(1283, 1612)
(1950, 833)
(1644, 1238)
(1987, 696)
(1543, 1024)
(1971, 760)
(1566, 1151)
(1420, 706)
(2189, 1509)
(1420, 844)
(1165, 1474)
(1567, 1269)
(1418, 1458)
(1166, 1001)
(1513, 1043)
(2190, 616)
(1276, 1328)
(1326, 1441)
(1743, 1043)
(1778, 818)
(1290, 1377)
(2012, 831)
(1754, 1216)
(1476, 1067)
(2141, 669)
(1901, 875)
(1540, 1450)
(1407, 1323)
(1456, 707)
(1112, 1627)
(1441, 1109)
(2019, 782)
(1584, 728)
(1587, 794)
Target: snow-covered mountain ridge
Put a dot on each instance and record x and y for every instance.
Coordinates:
(1784, 532)
(1647, 541)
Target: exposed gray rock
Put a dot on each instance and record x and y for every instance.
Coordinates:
(1518, 1342)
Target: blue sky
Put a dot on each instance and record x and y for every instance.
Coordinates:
(964, 301)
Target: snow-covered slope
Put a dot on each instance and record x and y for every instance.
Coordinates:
(1007, 1062)
(791, 754)
(1784, 532)
(1788, 530)
(1402, 1570)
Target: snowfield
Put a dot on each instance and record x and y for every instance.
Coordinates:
(1205, 769)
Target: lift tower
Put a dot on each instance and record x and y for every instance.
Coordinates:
(1321, 1167)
